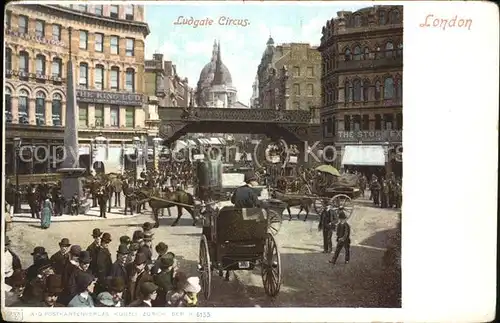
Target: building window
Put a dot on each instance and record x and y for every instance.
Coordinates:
(347, 54)
(83, 115)
(99, 115)
(56, 109)
(114, 45)
(356, 122)
(24, 62)
(296, 89)
(40, 29)
(389, 49)
(40, 108)
(56, 67)
(388, 88)
(378, 122)
(377, 90)
(98, 10)
(98, 42)
(357, 53)
(366, 90)
(23, 112)
(296, 71)
(56, 32)
(399, 88)
(99, 77)
(329, 127)
(357, 21)
(8, 105)
(82, 7)
(366, 122)
(347, 123)
(366, 53)
(130, 80)
(394, 17)
(356, 84)
(381, 18)
(8, 59)
(129, 12)
(84, 75)
(310, 71)
(113, 11)
(23, 24)
(83, 39)
(115, 72)
(347, 92)
(310, 89)
(388, 121)
(129, 117)
(129, 48)
(114, 114)
(40, 64)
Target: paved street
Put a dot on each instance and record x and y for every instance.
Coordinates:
(308, 279)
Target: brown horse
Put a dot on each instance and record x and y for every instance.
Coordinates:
(304, 202)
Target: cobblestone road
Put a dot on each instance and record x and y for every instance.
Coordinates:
(308, 278)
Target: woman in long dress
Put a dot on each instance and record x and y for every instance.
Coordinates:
(47, 212)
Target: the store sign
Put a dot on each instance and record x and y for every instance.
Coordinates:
(40, 40)
(115, 98)
(37, 76)
(370, 135)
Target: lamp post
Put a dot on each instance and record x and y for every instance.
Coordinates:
(17, 149)
(144, 149)
(123, 157)
(156, 144)
(100, 140)
(137, 142)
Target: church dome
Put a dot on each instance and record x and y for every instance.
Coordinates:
(208, 69)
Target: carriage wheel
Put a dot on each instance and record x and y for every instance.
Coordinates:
(275, 219)
(271, 267)
(205, 268)
(343, 201)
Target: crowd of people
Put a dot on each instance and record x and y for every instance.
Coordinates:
(77, 277)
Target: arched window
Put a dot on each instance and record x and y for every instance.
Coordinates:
(399, 52)
(24, 58)
(115, 72)
(381, 18)
(40, 108)
(99, 77)
(388, 88)
(366, 53)
(395, 17)
(56, 67)
(8, 59)
(389, 49)
(357, 21)
(399, 88)
(366, 90)
(357, 53)
(40, 64)
(23, 112)
(130, 80)
(347, 92)
(377, 90)
(56, 109)
(356, 85)
(8, 105)
(347, 54)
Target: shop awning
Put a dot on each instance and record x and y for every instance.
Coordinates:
(191, 142)
(364, 156)
(214, 141)
(203, 141)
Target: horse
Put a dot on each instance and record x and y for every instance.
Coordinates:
(304, 202)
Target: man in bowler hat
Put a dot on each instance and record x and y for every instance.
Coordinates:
(161, 249)
(93, 248)
(326, 224)
(119, 269)
(60, 258)
(148, 295)
(104, 261)
(125, 240)
(138, 276)
(245, 196)
(85, 284)
(39, 254)
(343, 238)
(51, 293)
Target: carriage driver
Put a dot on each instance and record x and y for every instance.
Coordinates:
(245, 196)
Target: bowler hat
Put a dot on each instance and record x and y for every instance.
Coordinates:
(124, 240)
(83, 280)
(342, 215)
(249, 177)
(138, 235)
(54, 284)
(161, 248)
(38, 251)
(134, 246)
(96, 232)
(116, 284)
(166, 262)
(148, 288)
(106, 237)
(75, 250)
(64, 242)
(84, 257)
(123, 249)
(147, 226)
(140, 258)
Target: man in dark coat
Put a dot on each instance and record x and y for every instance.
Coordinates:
(39, 254)
(119, 269)
(327, 225)
(138, 276)
(146, 247)
(343, 238)
(125, 240)
(245, 196)
(102, 199)
(161, 250)
(33, 292)
(60, 258)
(72, 265)
(93, 248)
(104, 262)
(53, 288)
(71, 287)
(164, 280)
(148, 295)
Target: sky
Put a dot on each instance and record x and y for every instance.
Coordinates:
(190, 48)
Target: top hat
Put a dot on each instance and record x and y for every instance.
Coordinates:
(75, 250)
(124, 240)
(249, 177)
(83, 280)
(134, 246)
(342, 215)
(84, 257)
(161, 248)
(106, 237)
(38, 251)
(140, 259)
(54, 284)
(123, 249)
(148, 288)
(166, 262)
(147, 226)
(116, 284)
(138, 235)
(7, 241)
(96, 232)
(64, 242)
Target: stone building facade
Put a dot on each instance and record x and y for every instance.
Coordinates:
(107, 48)
(289, 77)
(362, 86)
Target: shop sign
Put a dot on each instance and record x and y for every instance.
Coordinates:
(112, 98)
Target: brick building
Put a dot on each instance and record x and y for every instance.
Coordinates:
(361, 115)
(107, 46)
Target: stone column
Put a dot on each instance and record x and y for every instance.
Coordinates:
(32, 111)
(15, 109)
(63, 114)
(48, 112)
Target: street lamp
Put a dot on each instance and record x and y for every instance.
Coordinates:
(123, 157)
(156, 144)
(17, 149)
(137, 142)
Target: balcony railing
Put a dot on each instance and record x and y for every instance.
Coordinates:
(392, 61)
(369, 136)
